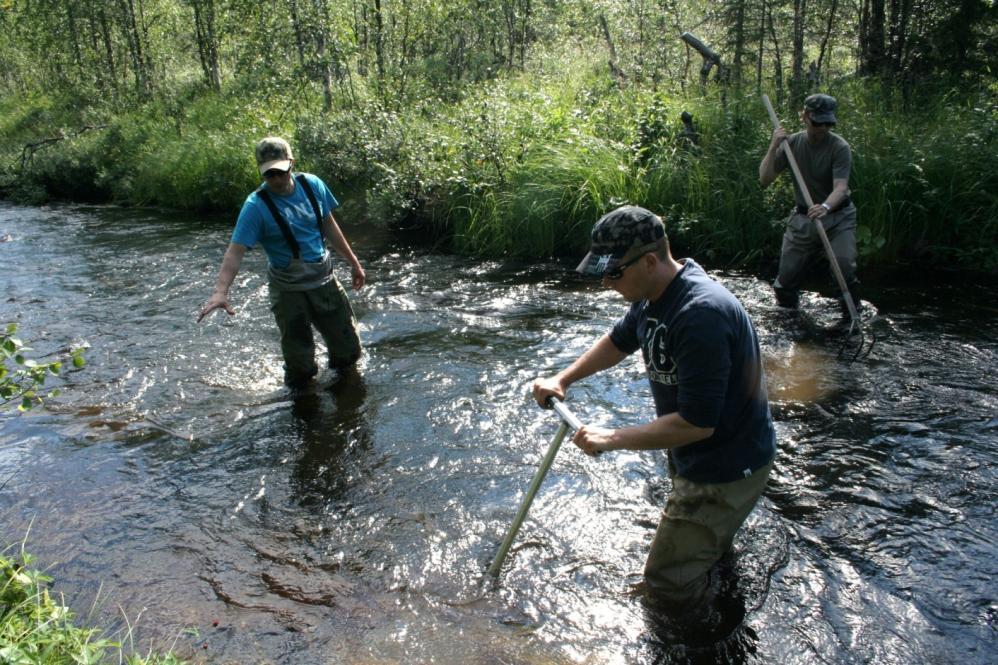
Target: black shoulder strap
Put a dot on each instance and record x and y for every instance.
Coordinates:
(303, 181)
(281, 223)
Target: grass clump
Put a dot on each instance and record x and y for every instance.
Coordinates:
(37, 629)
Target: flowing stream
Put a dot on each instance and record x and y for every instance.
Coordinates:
(174, 486)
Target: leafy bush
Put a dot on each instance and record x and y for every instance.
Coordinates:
(522, 164)
(21, 378)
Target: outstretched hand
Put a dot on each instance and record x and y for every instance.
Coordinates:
(216, 301)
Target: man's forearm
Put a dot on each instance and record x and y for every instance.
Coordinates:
(338, 242)
(840, 192)
(669, 431)
(230, 267)
(601, 355)
(767, 169)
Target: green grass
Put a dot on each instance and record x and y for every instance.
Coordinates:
(37, 628)
(524, 164)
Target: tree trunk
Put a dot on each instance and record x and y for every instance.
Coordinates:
(105, 32)
(325, 60)
(778, 60)
(299, 38)
(797, 63)
(827, 37)
(739, 38)
(379, 39)
(74, 38)
(134, 40)
(871, 32)
(762, 41)
(204, 29)
(898, 36)
(525, 36)
(213, 60)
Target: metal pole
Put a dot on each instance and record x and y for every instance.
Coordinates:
(568, 419)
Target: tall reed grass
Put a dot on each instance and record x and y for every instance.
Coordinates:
(522, 166)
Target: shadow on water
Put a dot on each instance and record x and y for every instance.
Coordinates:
(332, 433)
(354, 523)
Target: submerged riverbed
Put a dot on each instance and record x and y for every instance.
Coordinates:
(175, 479)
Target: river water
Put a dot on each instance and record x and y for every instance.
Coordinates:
(175, 487)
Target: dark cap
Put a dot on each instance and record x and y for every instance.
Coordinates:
(821, 107)
(620, 235)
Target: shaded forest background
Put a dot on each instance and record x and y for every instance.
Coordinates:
(505, 127)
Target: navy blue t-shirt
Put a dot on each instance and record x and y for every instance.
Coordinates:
(702, 359)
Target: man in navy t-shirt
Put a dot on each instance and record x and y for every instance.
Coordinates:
(702, 359)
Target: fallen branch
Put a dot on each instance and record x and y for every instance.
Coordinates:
(28, 153)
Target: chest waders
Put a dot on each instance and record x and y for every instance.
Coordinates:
(302, 297)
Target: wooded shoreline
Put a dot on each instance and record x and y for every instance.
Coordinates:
(512, 145)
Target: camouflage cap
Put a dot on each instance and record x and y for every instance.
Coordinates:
(821, 107)
(273, 153)
(620, 235)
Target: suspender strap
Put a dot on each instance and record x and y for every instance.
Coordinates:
(311, 199)
(281, 223)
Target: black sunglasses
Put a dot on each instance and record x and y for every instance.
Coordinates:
(618, 271)
(822, 124)
(274, 173)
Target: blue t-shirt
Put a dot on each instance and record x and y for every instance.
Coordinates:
(703, 361)
(256, 223)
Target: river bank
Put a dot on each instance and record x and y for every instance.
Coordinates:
(522, 169)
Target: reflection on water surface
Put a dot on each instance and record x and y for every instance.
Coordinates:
(354, 524)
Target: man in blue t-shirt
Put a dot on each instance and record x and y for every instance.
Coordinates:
(703, 363)
(291, 215)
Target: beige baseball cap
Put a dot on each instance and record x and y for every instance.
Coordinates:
(273, 153)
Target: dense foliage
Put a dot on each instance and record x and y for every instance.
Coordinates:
(506, 127)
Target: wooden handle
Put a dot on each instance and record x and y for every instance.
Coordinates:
(790, 156)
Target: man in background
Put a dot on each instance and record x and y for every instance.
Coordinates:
(824, 159)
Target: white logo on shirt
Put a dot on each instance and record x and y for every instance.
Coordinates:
(659, 364)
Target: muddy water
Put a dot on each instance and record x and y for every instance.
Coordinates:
(175, 480)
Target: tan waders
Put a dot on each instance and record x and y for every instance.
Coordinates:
(696, 530)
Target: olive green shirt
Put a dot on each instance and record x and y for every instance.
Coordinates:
(819, 164)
